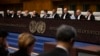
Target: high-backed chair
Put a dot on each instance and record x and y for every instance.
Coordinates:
(2, 13)
(71, 12)
(97, 18)
(96, 14)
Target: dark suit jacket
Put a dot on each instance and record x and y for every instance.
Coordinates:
(19, 53)
(14, 16)
(3, 52)
(36, 16)
(1, 16)
(17, 16)
(46, 16)
(28, 16)
(82, 17)
(7, 15)
(92, 18)
(66, 17)
(55, 52)
(56, 16)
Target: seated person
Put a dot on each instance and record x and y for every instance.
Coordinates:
(35, 15)
(1, 15)
(79, 16)
(25, 42)
(12, 14)
(7, 14)
(90, 16)
(19, 14)
(65, 38)
(26, 14)
(55, 15)
(46, 15)
(65, 14)
(3, 44)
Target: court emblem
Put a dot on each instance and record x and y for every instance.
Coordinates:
(32, 26)
(41, 27)
(38, 27)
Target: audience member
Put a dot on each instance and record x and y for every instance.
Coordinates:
(25, 42)
(65, 14)
(90, 15)
(3, 44)
(79, 16)
(65, 38)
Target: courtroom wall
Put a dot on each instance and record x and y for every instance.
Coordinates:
(9, 1)
(37, 5)
(50, 4)
(71, 4)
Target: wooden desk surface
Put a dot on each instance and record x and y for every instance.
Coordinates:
(92, 48)
(80, 47)
(88, 31)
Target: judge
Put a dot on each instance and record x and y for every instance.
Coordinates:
(7, 14)
(46, 15)
(90, 16)
(12, 15)
(26, 14)
(55, 15)
(79, 16)
(19, 14)
(65, 14)
(35, 15)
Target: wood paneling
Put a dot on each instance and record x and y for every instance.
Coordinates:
(38, 5)
(14, 7)
(93, 7)
(9, 1)
(50, 4)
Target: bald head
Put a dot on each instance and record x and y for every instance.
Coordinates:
(78, 12)
(65, 10)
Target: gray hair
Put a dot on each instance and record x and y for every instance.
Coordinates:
(65, 33)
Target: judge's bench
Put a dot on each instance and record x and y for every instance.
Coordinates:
(88, 31)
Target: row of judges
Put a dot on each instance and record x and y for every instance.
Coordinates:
(65, 15)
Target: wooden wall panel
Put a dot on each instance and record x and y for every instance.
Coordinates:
(37, 5)
(9, 1)
(50, 4)
(93, 7)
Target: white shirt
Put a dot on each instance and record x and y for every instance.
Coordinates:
(64, 17)
(79, 17)
(59, 46)
(72, 17)
(12, 16)
(19, 16)
(53, 15)
(89, 17)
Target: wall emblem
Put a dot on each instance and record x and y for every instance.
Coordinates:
(32, 26)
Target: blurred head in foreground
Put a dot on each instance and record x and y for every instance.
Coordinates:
(26, 42)
(65, 36)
